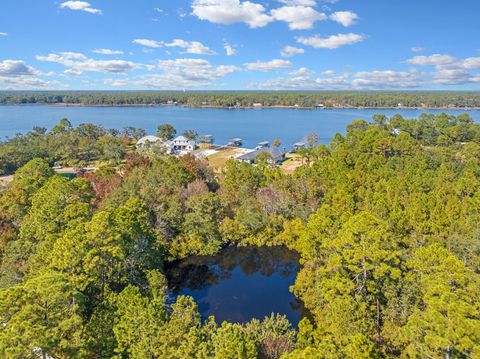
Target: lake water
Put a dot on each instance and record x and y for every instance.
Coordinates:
(252, 125)
(240, 283)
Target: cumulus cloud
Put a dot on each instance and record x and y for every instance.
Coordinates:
(356, 80)
(449, 70)
(299, 2)
(80, 6)
(268, 65)
(328, 73)
(289, 51)
(16, 68)
(107, 52)
(81, 63)
(3, 34)
(229, 49)
(346, 18)
(298, 17)
(148, 43)
(303, 71)
(16, 74)
(331, 42)
(185, 73)
(433, 60)
(191, 47)
(116, 82)
(228, 12)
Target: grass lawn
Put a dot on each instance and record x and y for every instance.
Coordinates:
(217, 160)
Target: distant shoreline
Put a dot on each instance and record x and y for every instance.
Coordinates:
(253, 107)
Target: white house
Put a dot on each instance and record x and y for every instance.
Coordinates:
(177, 145)
(181, 144)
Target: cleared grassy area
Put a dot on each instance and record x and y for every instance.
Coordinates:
(217, 160)
(292, 162)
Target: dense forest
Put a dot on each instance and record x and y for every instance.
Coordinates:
(386, 220)
(435, 99)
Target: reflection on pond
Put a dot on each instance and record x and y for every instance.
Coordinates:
(239, 284)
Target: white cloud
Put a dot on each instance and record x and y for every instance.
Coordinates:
(299, 2)
(417, 49)
(449, 70)
(81, 6)
(298, 17)
(303, 71)
(185, 73)
(3, 34)
(228, 12)
(356, 80)
(433, 60)
(229, 49)
(191, 47)
(289, 51)
(386, 80)
(107, 52)
(72, 72)
(268, 66)
(80, 63)
(148, 43)
(16, 74)
(346, 18)
(116, 82)
(331, 42)
(328, 73)
(16, 68)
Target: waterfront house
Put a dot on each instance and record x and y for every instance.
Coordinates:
(181, 144)
(251, 157)
(298, 146)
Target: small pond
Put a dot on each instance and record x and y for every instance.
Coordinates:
(240, 283)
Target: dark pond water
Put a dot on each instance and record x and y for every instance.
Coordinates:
(252, 125)
(241, 283)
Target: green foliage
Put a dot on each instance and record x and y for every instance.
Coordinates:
(386, 220)
(41, 318)
(166, 132)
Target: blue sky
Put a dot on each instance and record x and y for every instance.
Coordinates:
(237, 44)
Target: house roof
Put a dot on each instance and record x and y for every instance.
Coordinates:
(236, 139)
(299, 144)
(275, 152)
(150, 139)
(263, 143)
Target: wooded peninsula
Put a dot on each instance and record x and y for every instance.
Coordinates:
(242, 99)
(386, 220)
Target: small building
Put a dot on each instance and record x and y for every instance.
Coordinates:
(257, 104)
(298, 146)
(148, 141)
(181, 144)
(251, 157)
(235, 142)
(263, 144)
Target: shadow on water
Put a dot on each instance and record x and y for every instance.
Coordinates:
(240, 283)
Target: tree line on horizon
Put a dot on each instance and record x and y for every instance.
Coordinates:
(386, 219)
(226, 99)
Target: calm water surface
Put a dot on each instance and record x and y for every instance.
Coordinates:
(241, 283)
(253, 125)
